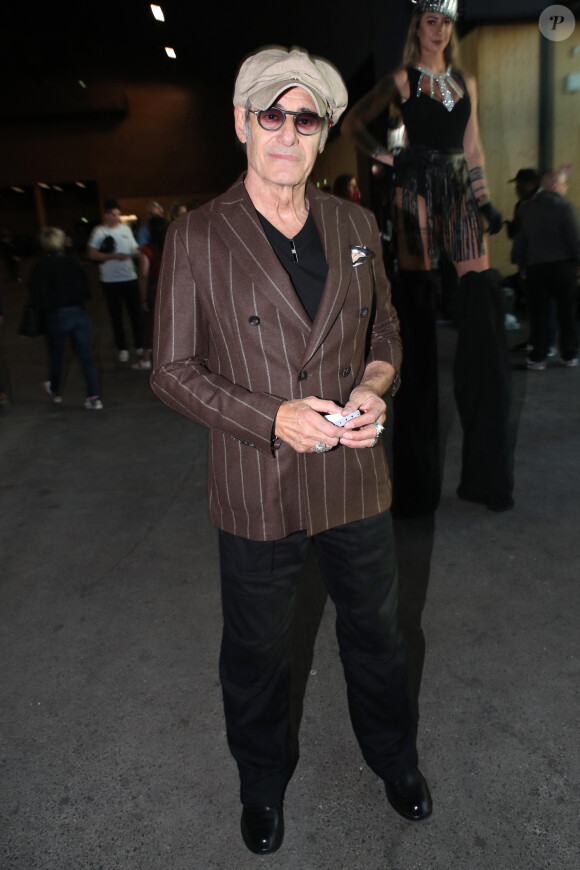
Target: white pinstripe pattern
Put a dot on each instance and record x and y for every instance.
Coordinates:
(291, 377)
(244, 508)
(340, 351)
(219, 369)
(216, 307)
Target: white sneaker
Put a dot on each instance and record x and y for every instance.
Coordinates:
(123, 356)
(536, 366)
(510, 322)
(94, 404)
(142, 364)
(570, 363)
(54, 396)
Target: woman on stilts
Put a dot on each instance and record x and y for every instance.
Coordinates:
(440, 198)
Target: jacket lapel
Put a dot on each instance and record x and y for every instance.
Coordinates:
(238, 224)
(332, 223)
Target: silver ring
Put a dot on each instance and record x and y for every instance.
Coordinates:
(380, 428)
(321, 447)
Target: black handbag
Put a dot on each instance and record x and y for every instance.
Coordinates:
(32, 321)
(108, 245)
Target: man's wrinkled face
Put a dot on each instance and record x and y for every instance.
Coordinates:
(284, 156)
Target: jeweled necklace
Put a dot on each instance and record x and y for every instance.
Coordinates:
(445, 84)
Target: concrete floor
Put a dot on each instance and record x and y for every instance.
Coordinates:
(112, 734)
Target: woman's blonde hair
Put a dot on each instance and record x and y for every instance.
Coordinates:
(52, 240)
(412, 49)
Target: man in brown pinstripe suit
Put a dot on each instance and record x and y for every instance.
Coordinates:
(273, 310)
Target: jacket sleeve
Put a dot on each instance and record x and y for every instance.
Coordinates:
(184, 333)
(385, 344)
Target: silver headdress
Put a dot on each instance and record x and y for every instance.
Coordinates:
(443, 7)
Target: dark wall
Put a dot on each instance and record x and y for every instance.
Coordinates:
(170, 139)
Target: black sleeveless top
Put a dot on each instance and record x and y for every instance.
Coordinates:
(429, 123)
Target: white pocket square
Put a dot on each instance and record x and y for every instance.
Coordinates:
(359, 254)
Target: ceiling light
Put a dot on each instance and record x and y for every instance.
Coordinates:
(17, 189)
(43, 185)
(80, 184)
(170, 52)
(56, 187)
(157, 12)
(82, 84)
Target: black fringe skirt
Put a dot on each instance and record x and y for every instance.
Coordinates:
(453, 221)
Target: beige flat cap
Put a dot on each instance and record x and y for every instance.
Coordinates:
(267, 73)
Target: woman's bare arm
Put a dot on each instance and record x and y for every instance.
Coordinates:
(368, 108)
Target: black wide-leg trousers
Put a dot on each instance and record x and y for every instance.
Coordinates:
(482, 386)
(259, 581)
(416, 466)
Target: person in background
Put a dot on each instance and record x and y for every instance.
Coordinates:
(527, 183)
(274, 310)
(547, 249)
(440, 197)
(112, 245)
(346, 187)
(59, 287)
(177, 210)
(149, 266)
(143, 233)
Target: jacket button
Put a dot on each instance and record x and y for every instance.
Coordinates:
(363, 312)
(254, 320)
(346, 371)
(302, 375)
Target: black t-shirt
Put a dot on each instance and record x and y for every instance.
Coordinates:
(304, 260)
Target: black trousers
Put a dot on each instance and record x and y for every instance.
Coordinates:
(482, 386)
(416, 466)
(558, 281)
(258, 596)
(117, 294)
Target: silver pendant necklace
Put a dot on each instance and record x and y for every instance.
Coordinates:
(447, 87)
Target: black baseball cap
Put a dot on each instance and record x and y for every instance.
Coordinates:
(526, 175)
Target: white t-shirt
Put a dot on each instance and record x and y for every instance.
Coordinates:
(125, 243)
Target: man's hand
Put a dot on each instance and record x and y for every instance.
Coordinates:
(368, 399)
(299, 422)
(361, 432)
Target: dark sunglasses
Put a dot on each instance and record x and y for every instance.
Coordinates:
(307, 123)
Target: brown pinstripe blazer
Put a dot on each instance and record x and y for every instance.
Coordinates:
(232, 342)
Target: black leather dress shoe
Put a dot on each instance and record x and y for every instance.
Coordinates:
(263, 828)
(409, 796)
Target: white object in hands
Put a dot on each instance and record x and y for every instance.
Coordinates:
(339, 420)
